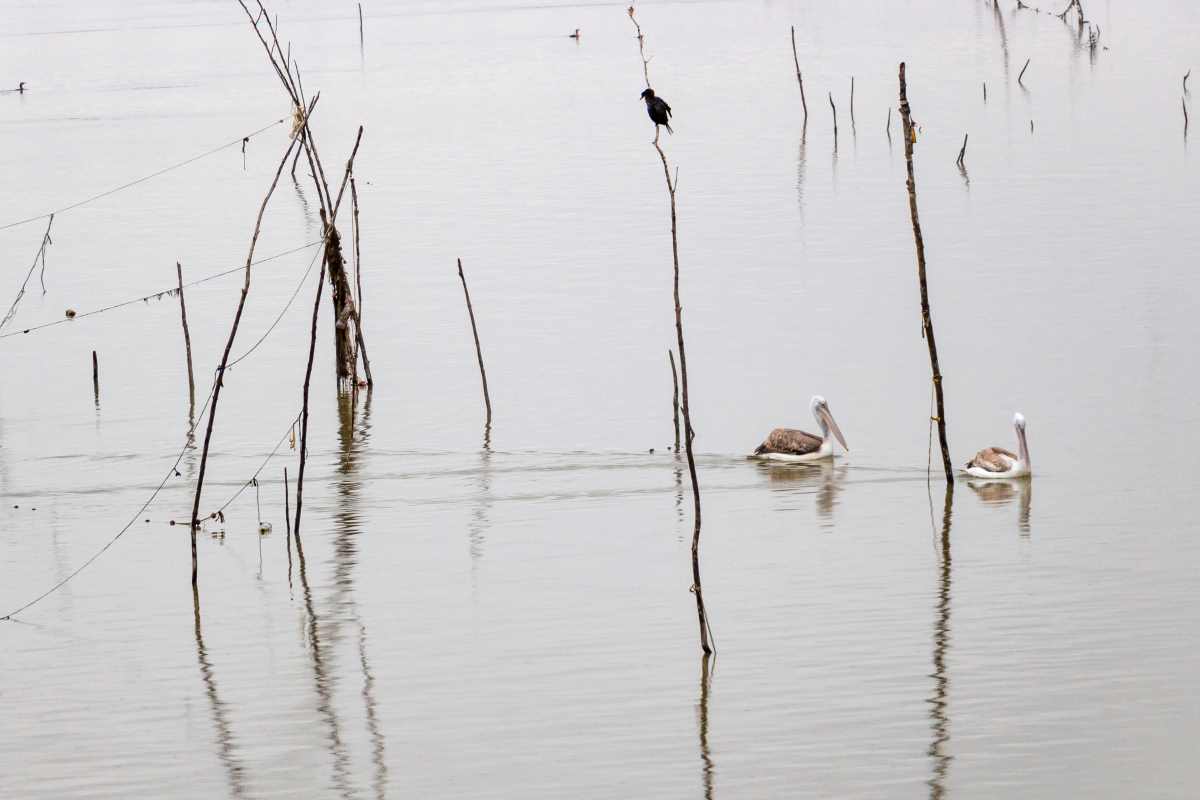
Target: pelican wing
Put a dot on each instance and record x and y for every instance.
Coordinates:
(993, 459)
(789, 441)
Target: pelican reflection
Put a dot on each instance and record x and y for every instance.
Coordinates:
(1003, 492)
(826, 477)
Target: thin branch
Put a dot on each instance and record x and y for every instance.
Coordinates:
(220, 378)
(926, 316)
(799, 79)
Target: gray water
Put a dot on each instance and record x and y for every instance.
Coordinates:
(515, 621)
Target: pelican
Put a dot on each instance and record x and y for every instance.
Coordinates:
(996, 462)
(788, 444)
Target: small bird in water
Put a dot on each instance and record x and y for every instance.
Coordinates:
(574, 35)
(21, 87)
(657, 108)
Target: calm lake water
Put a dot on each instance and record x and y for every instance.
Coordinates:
(515, 621)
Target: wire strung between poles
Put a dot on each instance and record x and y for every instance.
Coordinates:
(144, 178)
(172, 289)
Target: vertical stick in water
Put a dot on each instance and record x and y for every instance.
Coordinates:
(96, 376)
(926, 316)
(219, 383)
(360, 27)
(675, 401)
(803, 101)
(487, 400)
(831, 105)
(962, 153)
(689, 434)
(852, 102)
(187, 343)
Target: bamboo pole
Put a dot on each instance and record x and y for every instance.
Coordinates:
(926, 316)
(312, 350)
(689, 433)
(187, 343)
(220, 379)
(800, 80)
(487, 399)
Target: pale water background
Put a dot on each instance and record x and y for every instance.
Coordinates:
(516, 623)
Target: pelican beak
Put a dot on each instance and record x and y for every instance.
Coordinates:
(833, 428)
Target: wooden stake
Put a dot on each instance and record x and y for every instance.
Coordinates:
(187, 343)
(800, 80)
(852, 102)
(985, 91)
(1183, 103)
(962, 153)
(487, 400)
(1022, 75)
(312, 351)
(889, 125)
(689, 433)
(220, 379)
(96, 376)
(831, 105)
(360, 27)
(926, 316)
(675, 401)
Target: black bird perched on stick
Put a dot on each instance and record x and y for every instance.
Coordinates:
(657, 108)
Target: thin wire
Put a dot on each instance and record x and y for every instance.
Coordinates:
(174, 470)
(143, 179)
(144, 298)
(284, 310)
(41, 256)
(253, 479)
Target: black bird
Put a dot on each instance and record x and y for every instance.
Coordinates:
(657, 108)
(21, 88)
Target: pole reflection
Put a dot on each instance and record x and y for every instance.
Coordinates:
(708, 770)
(235, 773)
(939, 715)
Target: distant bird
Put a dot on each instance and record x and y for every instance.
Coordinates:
(996, 462)
(657, 108)
(574, 35)
(788, 444)
(21, 87)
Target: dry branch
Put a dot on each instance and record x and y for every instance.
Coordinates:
(689, 432)
(926, 316)
(800, 80)
(220, 377)
(487, 399)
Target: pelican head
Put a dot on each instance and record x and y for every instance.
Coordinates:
(820, 410)
(1022, 443)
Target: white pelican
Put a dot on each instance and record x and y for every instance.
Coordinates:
(788, 444)
(996, 462)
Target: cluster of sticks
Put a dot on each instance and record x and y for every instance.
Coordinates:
(349, 342)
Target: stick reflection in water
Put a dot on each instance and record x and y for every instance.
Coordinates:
(939, 715)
